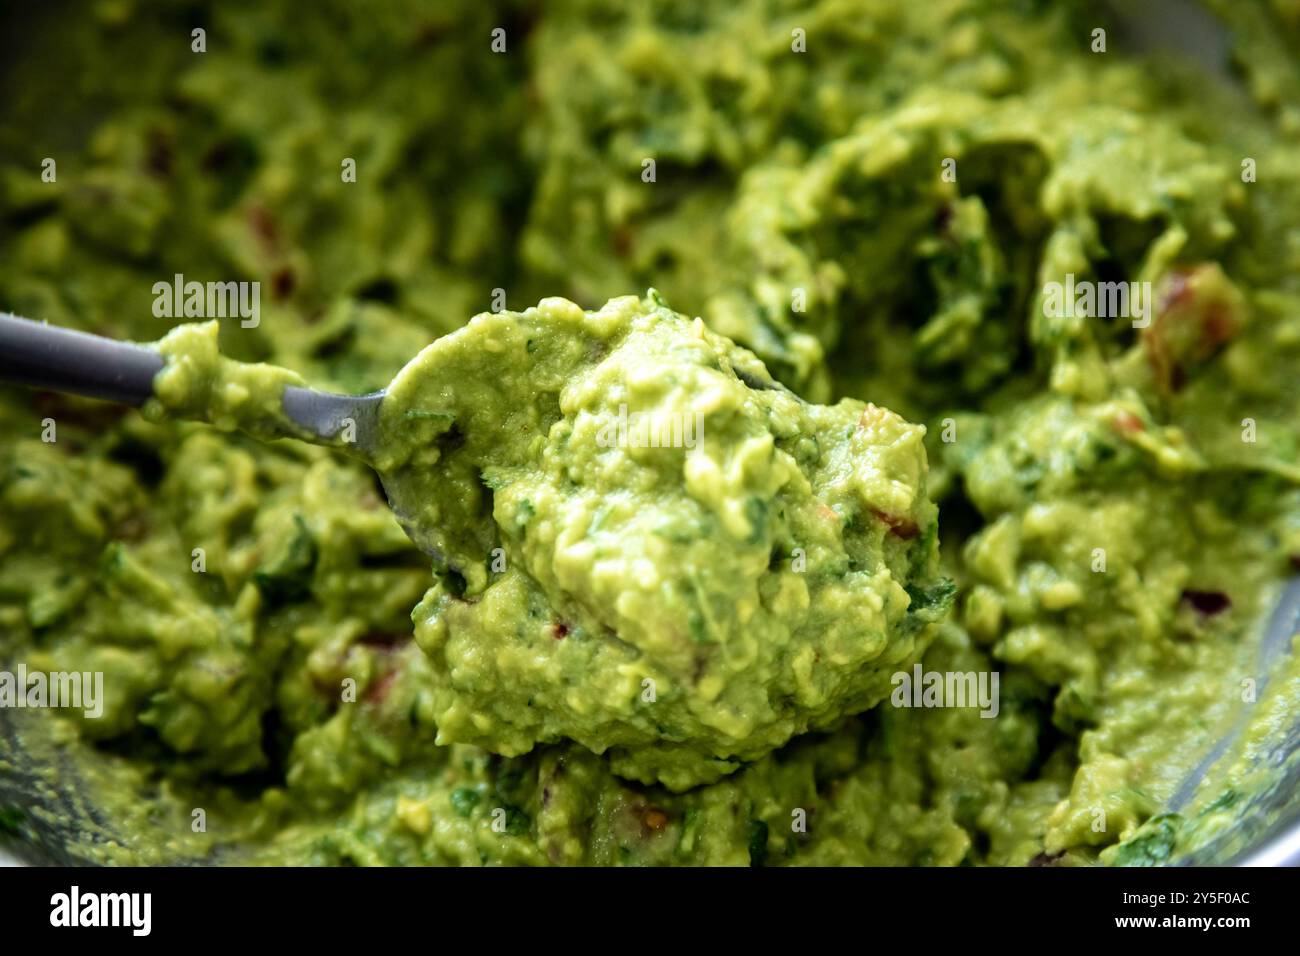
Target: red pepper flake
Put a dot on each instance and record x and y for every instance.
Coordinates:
(1126, 423)
(1199, 311)
(559, 630)
(654, 819)
(900, 525)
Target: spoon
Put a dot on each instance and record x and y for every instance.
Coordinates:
(46, 356)
(39, 355)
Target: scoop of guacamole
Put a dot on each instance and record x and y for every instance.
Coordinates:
(1068, 270)
(648, 546)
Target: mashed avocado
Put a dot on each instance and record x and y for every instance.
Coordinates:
(687, 564)
(199, 383)
(877, 217)
(692, 564)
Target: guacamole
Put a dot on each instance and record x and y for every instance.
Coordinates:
(575, 474)
(692, 565)
(872, 208)
(198, 383)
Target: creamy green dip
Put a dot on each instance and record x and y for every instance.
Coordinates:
(652, 549)
(198, 383)
(1117, 506)
(643, 543)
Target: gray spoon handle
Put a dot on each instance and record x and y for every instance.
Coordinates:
(46, 356)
